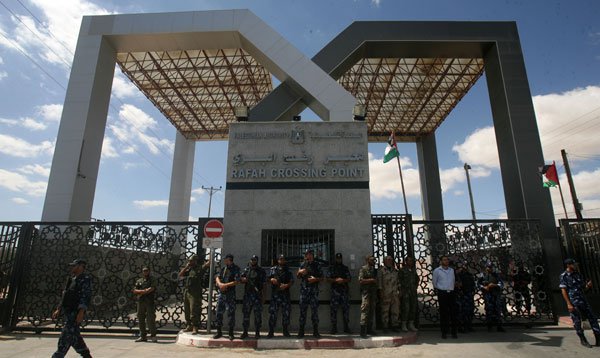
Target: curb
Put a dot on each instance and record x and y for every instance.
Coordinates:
(342, 342)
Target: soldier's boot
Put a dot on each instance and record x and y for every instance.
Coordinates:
(195, 330)
(404, 327)
(371, 331)
(219, 334)
(301, 332)
(231, 334)
(257, 334)
(271, 333)
(86, 354)
(597, 335)
(347, 329)
(244, 334)
(316, 331)
(584, 341)
(286, 332)
(411, 326)
(189, 328)
(333, 329)
(386, 330)
(363, 331)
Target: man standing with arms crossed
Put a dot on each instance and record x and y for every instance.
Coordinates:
(75, 301)
(389, 294)
(281, 280)
(443, 282)
(253, 277)
(226, 281)
(310, 275)
(339, 276)
(144, 290)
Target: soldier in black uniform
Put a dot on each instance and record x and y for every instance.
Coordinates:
(144, 290)
(226, 280)
(281, 280)
(75, 301)
(254, 278)
(310, 273)
(339, 276)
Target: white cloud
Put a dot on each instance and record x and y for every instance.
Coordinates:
(376, 2)
(198, 191)
(1, 61)
(123, 88)
(147, 204)
(3, 75)
(36, 169)
(133, 127)
(62, 20)
(565, 120)
(20, 183)
(458, 192)
(21, 148)
(50, 112)
(385, 179)
(108, 149)
(25, 122)
(19, 201)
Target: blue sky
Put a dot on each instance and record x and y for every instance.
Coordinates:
(561, 45)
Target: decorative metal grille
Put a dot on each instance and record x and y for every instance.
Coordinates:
(505, 243)
(115, 254)
(293, 244)
(583, 245)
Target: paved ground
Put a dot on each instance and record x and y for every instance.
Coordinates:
(536, 342)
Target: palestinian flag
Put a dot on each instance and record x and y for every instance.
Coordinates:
(391, 151)
(549, 175)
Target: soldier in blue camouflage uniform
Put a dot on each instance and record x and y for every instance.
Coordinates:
(465, 297)
(310, 275)
(491, 287)
(281, 280)
(339, 276)
(254, 278)
(572, 286)
(75, 301)
(226, 281)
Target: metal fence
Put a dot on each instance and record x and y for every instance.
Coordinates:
(115, 253)
(511, 245)
(582, 243)
(293, 244)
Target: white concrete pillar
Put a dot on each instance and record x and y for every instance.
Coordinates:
(72, 182)
(181, 179)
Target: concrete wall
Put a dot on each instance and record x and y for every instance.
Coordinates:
(262, 200)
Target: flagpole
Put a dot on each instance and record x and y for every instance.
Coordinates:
(562, 198)
(402, 183)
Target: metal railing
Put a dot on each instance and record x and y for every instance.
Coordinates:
(582, 243)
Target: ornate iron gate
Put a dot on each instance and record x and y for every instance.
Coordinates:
(115, 253)
(511, 245)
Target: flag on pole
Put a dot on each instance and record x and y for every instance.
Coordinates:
(549, 175)
(391, 151)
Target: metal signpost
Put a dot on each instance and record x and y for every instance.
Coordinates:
(213, 239)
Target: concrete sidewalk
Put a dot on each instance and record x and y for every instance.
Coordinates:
(546, 342)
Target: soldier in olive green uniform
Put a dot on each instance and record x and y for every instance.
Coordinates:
(144, 290)
(409, 281)
(367, 278)
(389, 294)
(194, 275)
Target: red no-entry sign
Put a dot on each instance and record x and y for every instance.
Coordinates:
(213, 229)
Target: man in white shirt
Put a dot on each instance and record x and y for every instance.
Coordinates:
(443, 282)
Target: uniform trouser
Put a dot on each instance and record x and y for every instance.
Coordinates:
(494, 305)
(367, 308)
(70, 336)
(523, 296)
(309, 297)
(582, 307)
(409, 307)
(390, 306)
(339, 298)
(226, 302)
(466, 307)
(146, 312)
(192, 307)
(279, 301)
(448, 311)
(252, 302)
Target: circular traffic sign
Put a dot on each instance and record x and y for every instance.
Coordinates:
(213, 229)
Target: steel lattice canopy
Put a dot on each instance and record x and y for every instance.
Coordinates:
(409, 96)
(197, 90)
